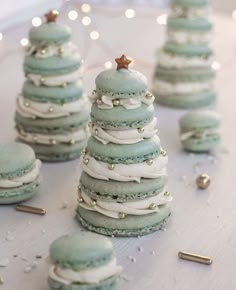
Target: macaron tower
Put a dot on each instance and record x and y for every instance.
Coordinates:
(52, 111)
(122, 189)
(19, 173)
(84, 261)
(184, 77)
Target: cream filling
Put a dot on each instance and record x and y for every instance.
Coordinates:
(164, 88)
(113, 209)
(199, 134)
(183, 37)
(19, 181)
(30, 109)
(175, 61)
(124, 172)
(52, 81)
(190, 12)
(90, 276)
(63, 50)
(129, 103)
(126, 136)
(69, 138)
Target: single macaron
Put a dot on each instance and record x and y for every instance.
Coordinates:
(121, 83)
(83, 261)
(200, 131)
(49, 33)
(19, 173)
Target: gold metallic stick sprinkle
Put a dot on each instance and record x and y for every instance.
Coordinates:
(195, 258)
(31, 209)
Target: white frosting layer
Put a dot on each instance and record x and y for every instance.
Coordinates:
(63, 50)
(165, 88)
(200, 134)
(175, 61)
(90, 276)
(31, 109)
(189, 36)
(113, 209)
(19, 181)
(129, 103)
(125, 172)
(52, 81)
(69, 138)
(126, 136)
(190, 12)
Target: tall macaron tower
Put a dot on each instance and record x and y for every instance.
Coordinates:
(52, 111)
(184, 77)
(122, 189)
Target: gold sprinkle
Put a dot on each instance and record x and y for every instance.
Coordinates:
(93, 203)
(81, 200)
(31, 209)
(163, 153)
(60, 50)
(86, 161)
(111, 166)
(149, 162)
(116, 102)
(43, 51)
(72, 141)
(149, 95)
(96, 132)
(122, 215)
(140, 130)
(50, 109)
(42, 80)
(53, 142)
(27, 104)
(64, 84)
(99, 102)
(167, 193)
(195, 258)
(152, 206)
(203, 181)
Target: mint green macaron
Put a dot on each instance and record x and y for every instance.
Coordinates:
(200, 131)
(121, 83)
(191, 3)
(85, 261)
(49, 33)
(19, 173)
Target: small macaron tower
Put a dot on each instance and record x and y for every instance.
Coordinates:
(83, 261)
(200, 131)
(122, 189)
(52, 111)
(184, 77)
(19, 173)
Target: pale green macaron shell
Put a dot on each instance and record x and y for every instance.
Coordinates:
(79, 252)
(191, 3)
(55, 95)
(122, 83)
(49, 33)
(16, 160)
(201, 121)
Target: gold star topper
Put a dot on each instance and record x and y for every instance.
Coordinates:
(51, 16)
(123, 62)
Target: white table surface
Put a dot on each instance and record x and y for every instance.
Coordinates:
(202, 222)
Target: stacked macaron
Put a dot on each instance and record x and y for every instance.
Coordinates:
(200, 131)
(184, 76)
(84, 261)
(52, 111)
(122, 188)
(19, 173)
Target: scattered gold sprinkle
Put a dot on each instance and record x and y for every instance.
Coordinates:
(152, 206)
(111, 166)
(149, 162)
(116, 102)
(195, 258)
(122, 215)
(140, 130)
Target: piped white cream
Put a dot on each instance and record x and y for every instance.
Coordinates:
(199, 134)
(26, 178)
(90, 276)
(126, 136)
(113, 209)
(31, 109)
(183, 36)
